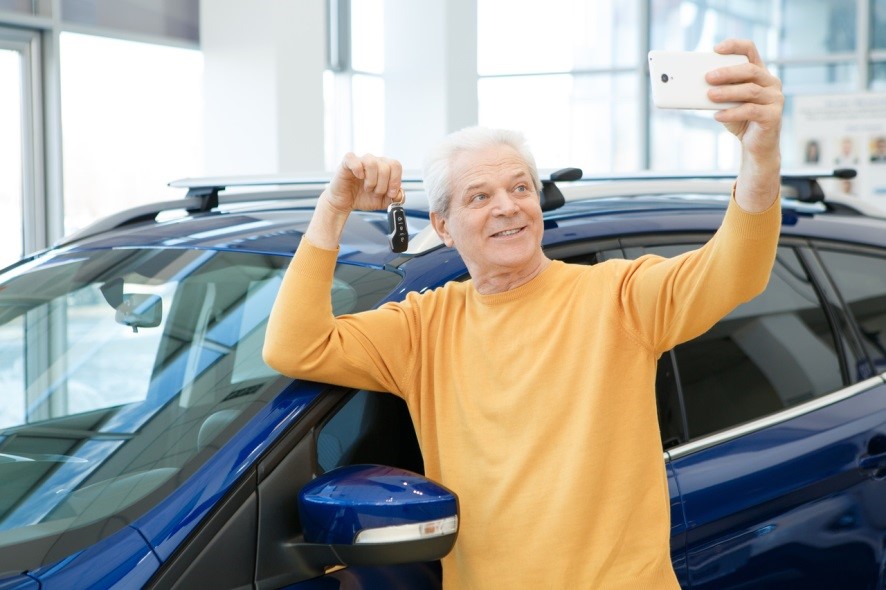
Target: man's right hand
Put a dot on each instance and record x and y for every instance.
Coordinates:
(365, 182)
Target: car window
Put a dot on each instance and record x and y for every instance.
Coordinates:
(861, 280)
(369, 427)
(123, 369)
(771, 353)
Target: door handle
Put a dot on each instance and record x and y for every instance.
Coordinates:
(872, 462)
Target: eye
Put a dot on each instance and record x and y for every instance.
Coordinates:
(479, 198)
(521, 188)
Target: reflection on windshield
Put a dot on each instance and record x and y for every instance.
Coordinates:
(118, 366)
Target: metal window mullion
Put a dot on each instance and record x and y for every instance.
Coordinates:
(644, 108)
(338, 27)
(863, 42)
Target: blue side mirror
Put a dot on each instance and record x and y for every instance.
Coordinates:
(376, 515)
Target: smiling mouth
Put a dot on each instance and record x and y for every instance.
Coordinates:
(507, 233)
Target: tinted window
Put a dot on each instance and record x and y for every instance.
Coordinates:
(119, 366)
(769, 354)
(861, 279)
(369, 427)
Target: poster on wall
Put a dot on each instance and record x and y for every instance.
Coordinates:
(845, 131)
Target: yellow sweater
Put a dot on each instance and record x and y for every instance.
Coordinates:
(537, 405)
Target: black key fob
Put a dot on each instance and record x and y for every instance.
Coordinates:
(397, 238)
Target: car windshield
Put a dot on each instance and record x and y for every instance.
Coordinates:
(119, 366)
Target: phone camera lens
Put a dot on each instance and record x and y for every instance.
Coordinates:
(664, 78)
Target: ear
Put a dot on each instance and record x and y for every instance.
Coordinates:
(441, 226)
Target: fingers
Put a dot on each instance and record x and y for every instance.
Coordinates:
(750, 84)
(741, 47)
(371, 182)
(748, 92)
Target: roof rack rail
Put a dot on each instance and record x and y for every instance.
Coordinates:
(208, 189)
(203, 195)
(805, 183)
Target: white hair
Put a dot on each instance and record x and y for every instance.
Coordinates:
(437, 170)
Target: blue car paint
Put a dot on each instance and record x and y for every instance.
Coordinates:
(740, 496)
(329, 504)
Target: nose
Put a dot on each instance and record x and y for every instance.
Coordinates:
(504, 204)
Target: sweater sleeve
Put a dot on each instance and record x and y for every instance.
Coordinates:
(367, 350)
(666, 301)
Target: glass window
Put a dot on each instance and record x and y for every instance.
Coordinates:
(135, 360)
(367, 36)
(370, 427)
(802, 29)
(691, 140)
(819, 78)
(696, 25)
(878, 24)
(369, 114)
(817, 27)
(177, 20)
(516, 37)
(10, 157)
(26, 6)
(772, 353)
(589, 121)
(861, 279)
(877, 71)
(132, 123)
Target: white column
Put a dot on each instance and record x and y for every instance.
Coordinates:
(430, 74)
(263, 85)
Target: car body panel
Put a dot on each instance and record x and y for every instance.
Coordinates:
(789, 505)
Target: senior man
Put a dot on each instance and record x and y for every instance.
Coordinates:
(531, 386)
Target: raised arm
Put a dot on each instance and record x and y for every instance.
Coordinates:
(303, 339)
(756, 123)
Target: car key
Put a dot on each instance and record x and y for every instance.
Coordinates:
(398, 238)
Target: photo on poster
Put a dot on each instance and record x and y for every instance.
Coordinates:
(878, 149)
(812, 151)
(847, 153)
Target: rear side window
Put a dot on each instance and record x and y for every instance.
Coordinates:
(370, 427)
(861, 280)
(769, 354)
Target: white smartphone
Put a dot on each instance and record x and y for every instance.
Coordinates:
(678, 78)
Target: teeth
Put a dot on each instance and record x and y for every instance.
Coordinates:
(509, 232)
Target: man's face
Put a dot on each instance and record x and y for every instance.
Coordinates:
(494, 218)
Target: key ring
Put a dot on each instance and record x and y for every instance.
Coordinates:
(401, 197)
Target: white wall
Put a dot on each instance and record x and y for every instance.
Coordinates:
(430, 74)
(263, 85)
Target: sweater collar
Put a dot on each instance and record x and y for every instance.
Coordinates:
(538, 282)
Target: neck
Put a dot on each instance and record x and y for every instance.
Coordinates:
(504, 280)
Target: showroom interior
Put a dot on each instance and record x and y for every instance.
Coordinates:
(105, 101)
(216, 373)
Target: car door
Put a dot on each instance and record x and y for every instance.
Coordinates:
(670, 416)
(781, 476)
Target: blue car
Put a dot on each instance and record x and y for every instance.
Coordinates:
(145, 444)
